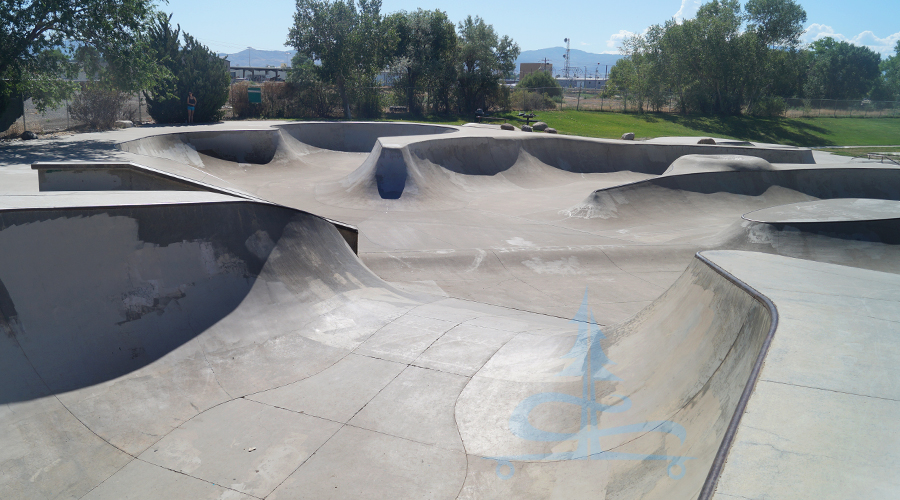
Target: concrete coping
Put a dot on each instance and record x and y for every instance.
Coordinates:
(201, 193)
(833, 210)
(53, 166)
(92, 199)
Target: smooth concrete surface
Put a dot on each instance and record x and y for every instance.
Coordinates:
(527, 317)
(838, 210)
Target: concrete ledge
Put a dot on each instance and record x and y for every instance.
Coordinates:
(129, 176)
(112, 176)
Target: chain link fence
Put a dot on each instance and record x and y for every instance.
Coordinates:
(61, 119)
(857, 108)
(280, 100)
(600, 100)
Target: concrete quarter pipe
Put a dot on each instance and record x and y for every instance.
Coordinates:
(183, 316)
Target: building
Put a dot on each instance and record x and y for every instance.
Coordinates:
(582, 83)
(528, 68)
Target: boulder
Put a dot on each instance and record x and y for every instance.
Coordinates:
(28, 135)
(628, 136)
(707, 140)
(540, 126)
(507, 126)
(551, 131)
(526, 128)
(124, 124)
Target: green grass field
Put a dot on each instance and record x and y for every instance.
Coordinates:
(808, 132)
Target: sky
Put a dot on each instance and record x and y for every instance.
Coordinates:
(229, 26)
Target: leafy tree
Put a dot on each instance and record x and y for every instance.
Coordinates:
(719, 61)
(541, 81)
(889, 86)
(484, 60)
(348, 38)
(841, 70)
(771, 44)
(425, 53)
(190, 68)
(38, 38)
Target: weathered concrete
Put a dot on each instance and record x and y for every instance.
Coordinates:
(212, 344)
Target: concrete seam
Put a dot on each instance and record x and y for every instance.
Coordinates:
(830, 390)
(195, 477)
(56, 397)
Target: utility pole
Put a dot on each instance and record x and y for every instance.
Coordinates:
(566, 57)
(546, 65)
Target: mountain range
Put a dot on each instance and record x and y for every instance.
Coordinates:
(578, 59)
(554, 55)
(260, 58)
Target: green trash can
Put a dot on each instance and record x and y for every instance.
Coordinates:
(254, 94)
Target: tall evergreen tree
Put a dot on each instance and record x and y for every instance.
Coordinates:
(190, 68)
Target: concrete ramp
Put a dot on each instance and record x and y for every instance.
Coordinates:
(636, 411)
(356, 137)
(209, 346)
(734, 192)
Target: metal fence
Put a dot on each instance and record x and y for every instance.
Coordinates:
(857, 108)
(393, 101)
(597, 100)
(60, 119)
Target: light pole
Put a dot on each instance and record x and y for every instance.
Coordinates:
(249, 54)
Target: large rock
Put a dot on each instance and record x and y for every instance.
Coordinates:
(507, 126)
(124, 124)
(551, 131)
(628, 136)
(540, 126)
(526, 128)
(28, 135)
(707, 140)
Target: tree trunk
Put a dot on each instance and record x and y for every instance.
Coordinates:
(345, 101)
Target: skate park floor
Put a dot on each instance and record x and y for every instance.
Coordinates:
(185, 314)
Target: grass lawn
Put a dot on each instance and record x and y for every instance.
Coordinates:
(809, 132)
(856, 152)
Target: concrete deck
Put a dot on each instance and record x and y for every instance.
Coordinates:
(528, 316)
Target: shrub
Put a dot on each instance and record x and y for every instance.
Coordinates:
(97, 105)
(526, 100)
(769, 107)
(191, 68)
(542, 82)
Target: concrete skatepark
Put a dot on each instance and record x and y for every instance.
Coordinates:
(383, 310)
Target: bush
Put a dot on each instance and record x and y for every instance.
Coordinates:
(192, 68)
(286, 100)
(526, 100)
(542, 82)
(97, 105)
(769, 107)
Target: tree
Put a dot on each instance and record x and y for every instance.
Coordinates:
(425, 53)
(38, 38)
(889, 86)
(542, 82)
(190, 68)
(771, 44)
(840, 70)
(347, 37)
(484, 60)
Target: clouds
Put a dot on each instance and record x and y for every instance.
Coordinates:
(615, 41)
(688, 10)
(884, 46)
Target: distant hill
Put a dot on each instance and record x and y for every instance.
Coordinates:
(260, 58)
(579, 59)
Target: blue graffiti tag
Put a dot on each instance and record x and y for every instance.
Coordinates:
(590, 364)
